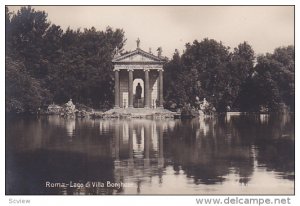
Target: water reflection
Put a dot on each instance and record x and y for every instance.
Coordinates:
(264, 118)
(138, 151)
(236, 154)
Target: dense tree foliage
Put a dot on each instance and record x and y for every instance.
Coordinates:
(272, 84)
(208, 69)
(45, 64)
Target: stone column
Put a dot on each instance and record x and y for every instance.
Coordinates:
(130, 88)
(117, 89)
(147, 92)
(161, 96)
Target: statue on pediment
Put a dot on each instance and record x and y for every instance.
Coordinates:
(117, 52)
(138, 43)
(159, 51)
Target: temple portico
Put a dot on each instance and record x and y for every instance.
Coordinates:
(144, 66)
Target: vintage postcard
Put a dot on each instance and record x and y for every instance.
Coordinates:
(150, 100)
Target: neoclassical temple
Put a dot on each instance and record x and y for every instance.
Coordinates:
(138, 79)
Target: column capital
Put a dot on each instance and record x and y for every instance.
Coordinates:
(160, 70)
(146, 70)
(116, 70)
(130, 70)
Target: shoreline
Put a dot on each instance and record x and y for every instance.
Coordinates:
(152, 114)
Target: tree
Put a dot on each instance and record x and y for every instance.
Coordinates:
(8, 36)
(28, 28)
(285, 74)
(230, 79)
(57, 65)
(201, 71)
(272, 83)
(22, 92)
(241, 67)
(24, 39)
(175, 93)
(211, 60)
(85, 66)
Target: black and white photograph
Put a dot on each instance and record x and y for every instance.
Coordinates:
(150, 100)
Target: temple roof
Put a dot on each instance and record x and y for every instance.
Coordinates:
(138, 56)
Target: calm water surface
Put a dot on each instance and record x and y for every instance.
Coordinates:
(250, 154)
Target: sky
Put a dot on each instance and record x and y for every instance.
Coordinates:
(171, 27)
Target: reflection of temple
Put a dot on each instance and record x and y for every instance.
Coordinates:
(138, 150)
(264, 118)
(198, 156)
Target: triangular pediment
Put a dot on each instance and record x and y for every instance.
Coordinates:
(137, 56)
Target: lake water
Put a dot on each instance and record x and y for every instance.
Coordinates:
(248, 154)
